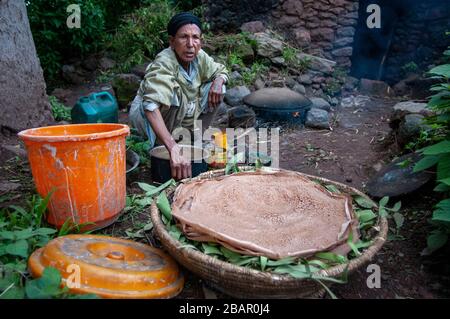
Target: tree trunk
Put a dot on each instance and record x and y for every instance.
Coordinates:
(23, 100)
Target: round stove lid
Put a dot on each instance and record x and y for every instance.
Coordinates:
(277, 99)
(109, 267)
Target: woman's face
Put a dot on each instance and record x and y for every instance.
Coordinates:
(186, 43)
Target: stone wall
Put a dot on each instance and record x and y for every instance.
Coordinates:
(322, 27)
(419, 37)
(229, 15)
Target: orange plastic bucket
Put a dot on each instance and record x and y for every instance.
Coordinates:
(85, 167)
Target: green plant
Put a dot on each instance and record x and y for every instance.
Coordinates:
(140, 146)
(59, 110)
(438, 154)
(142, 34)
(334, 83)
(54, 41)
(257, 69)
(409, 67)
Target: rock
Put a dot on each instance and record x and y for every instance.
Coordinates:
(318, 64)
(253, 27)
(350, 83)
(299, 88)
(6, 187)
(245, 51)
(304, 79)
(125, 87)
(10, 151)
(412, 107)
(302, 37)
(317, 118)
(342, 42)
(290, 82)
(259, 84)
(268, 47)
(106, 64)
(276, 98)
(334, 101)
(279, 83)
(236, 67)
(293, 7)
(354, 101)
(410, 128)
(140, 69)
(236, 95)
(235, 76)
(345, 32)
(278, 61)
(343, 52)
(319, 103)
(241, 116)
(90, 63)
(73, 75)
(373, 87)
(395, 180)
(322, 34)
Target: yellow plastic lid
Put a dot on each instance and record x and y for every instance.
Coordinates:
(109, 267)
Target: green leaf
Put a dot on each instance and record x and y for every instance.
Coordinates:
(13, 292)
(281, 262)
(444, 204)
(384, 201)
(441, 70)
(47, 286)
(332, 188)
(229, 254)
(335, 258)
(164, 206)
(436, 240)
(442, 188)
(437, 149)
(328, 290)
(18, 248)
(441, 215)
(146, 187)
(211, 250)
(44, 231)
(24, 234)
(443, 167)
(352, 245)
(318, 263)
(365, 215)
(7, 235)
(399, 220)
(396, 207)
(426, 162)
(160, 188)
(144, 202)
(263, 262)
(364, 202)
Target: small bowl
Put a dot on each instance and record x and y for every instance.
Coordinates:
(133, 161)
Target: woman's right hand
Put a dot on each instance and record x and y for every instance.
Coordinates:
(180, 166)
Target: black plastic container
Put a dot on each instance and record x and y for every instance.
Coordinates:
(160, 162)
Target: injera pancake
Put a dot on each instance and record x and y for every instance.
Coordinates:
(274, 214)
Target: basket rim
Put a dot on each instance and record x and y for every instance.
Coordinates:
(226, 267)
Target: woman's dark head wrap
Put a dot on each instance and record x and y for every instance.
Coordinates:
(180, 20)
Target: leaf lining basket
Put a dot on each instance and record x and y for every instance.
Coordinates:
(243, 282)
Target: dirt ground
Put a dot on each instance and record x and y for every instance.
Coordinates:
(356, 147)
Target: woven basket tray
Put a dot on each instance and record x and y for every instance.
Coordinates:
(242, 282)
